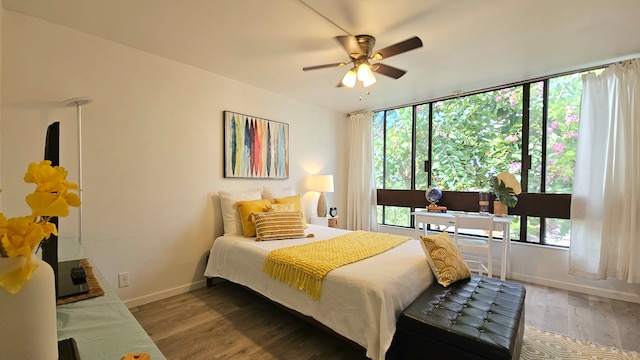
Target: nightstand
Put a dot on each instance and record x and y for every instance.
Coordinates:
(324, 221)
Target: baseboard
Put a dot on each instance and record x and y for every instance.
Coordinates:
(611, 294)
(585, 289)
(165, 294)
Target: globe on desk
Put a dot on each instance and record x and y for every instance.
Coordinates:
(433, 195)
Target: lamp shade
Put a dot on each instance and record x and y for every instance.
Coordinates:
(321, 183)
(364, 72)
(369, 80)
(349, 79)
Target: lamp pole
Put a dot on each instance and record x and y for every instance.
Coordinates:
(78, 102)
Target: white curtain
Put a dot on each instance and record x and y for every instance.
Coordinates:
(361, 189)
(605, 216)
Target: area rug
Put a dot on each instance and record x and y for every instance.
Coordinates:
(94, 286)
(541, 344)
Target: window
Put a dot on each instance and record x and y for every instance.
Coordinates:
(393, 147)
(456, 144)
(474, 137)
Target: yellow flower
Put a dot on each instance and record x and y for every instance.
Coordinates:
(50, 179)
(46, 204)
(14, 281)
(20, 235)
(48, 229)
(51, 197)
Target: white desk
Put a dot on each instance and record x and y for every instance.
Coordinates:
(500, 223)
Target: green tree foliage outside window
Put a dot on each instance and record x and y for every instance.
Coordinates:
(476, 136)
(561, 131)
(398, 140)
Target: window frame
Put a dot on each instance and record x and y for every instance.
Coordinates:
(540, 205)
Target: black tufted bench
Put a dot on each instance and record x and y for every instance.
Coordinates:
(477, 318)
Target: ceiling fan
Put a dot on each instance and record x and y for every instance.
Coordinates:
(360, 50)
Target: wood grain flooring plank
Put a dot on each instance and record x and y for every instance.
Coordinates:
(627, 316)
(556, 318)
(579, 322)
(578, 299)
(535, 304)
(606, 330)
(558, 297)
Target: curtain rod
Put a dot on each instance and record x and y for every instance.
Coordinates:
(498, 87)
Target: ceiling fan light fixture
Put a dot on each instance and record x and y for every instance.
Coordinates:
(360, 50)
(364, 71)
(369, 81)
(349, 79)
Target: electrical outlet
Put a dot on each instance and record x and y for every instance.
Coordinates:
(123, 279)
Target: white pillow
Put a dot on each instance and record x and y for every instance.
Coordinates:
(272, 193)
(230, 213)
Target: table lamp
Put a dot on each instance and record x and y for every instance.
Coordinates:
(321, 184)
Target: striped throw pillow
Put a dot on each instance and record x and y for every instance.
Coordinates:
(279, 225)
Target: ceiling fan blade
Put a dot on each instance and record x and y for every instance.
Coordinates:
(307, 68)
(398, 48)
(351, 45)
(387, 70)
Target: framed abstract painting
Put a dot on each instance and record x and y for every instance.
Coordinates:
(255, 147)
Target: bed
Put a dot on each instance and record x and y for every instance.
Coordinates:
(360, 301)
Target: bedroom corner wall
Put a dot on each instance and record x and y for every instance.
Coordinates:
(152, 149)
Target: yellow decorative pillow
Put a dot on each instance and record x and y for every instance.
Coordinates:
(295, 200)
(445, 259)
(280, 208)
(274, 225)
(246, 208)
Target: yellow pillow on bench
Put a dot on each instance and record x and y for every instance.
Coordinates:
(445, 259)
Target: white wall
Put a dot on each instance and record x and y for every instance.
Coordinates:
(152, 148)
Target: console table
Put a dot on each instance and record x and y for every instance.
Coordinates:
(102, 326)
(500, 223)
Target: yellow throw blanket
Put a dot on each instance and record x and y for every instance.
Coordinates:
(304, 266)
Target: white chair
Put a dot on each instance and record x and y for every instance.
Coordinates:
(476, 249)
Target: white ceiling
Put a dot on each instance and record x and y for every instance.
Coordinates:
(468, 44)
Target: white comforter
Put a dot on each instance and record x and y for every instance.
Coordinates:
(360, 301)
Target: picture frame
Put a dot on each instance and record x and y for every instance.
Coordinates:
(255, 147)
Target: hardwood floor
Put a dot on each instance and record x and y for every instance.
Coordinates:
(227, 321)
(601, 320)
